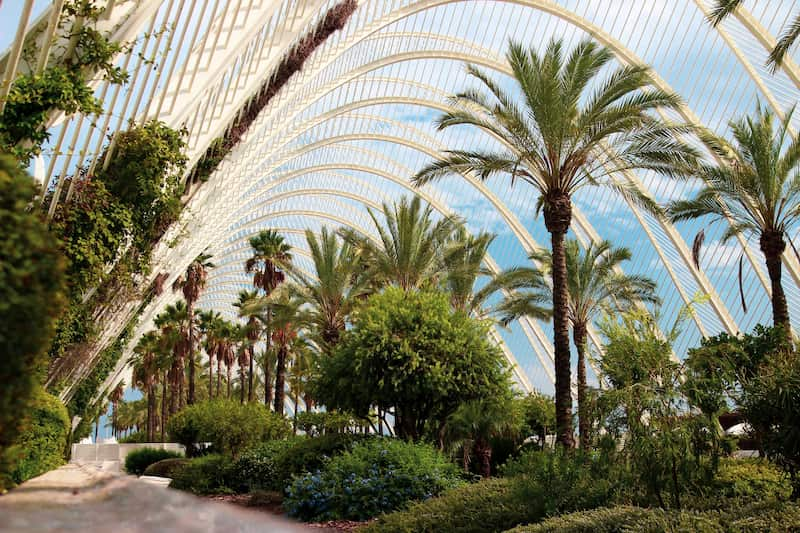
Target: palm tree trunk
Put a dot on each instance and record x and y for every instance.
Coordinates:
(250, 375)
(773, 246)
(280, 380)
(557, 219)
(296, 400)
(151, 411)
(241, 384)
(190, 334)
(579, 337)
(219, 373)
(267, 373)
(163, 406)
(228, 383)
(484, 451)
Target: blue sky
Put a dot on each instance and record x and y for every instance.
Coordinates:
(10, 11)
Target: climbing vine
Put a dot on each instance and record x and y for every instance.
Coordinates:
(81, 52)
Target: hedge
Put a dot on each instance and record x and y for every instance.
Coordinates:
(137, 461)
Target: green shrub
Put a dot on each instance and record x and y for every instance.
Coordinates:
(228, 425)
(483, 507)
(555, 482)
(271, 465)
(602, 520)
(324, 422)
(31, 284)
(165, 467)
(42, 443)
(203, 475)
(137, 461)
(752, 479)
(376, 476)
(259, 467)
(137, 437)
(760, 516)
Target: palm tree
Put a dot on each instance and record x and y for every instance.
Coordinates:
(757, 187)
(340, 284)
(192, 284)
(174, 325)
(146, 374)
(299, 372)
(209, 327)
(286, 317)
(463, 258)
(115, 397)
(252, 332)
(570, 129)
(473, 426)
(227, 352)
(594, 285)
(271, 258)
(724, 8)
(411, 244)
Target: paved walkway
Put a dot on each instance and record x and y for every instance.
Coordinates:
(96, 498)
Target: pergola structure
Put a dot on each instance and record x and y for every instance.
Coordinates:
(348, 131)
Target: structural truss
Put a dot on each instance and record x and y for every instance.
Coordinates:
(347, 132)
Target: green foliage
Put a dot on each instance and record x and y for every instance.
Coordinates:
(376, 476)
(93, 226)
(165, 467)
(137, 461)
(203, 475)
(325, 422)
(214, 155)
(62, 86)
(558, 481)
(766, 516)
(770, 402)
(259, 467)
(144, 175)
(602, 520)
(228, 425)
(483, 507)
(271, 465)
(539, 413)
(86, 390)
(137, 437)
(410, 353)
(31, 285)
(754, 479)
(40, 446)
(659, 447)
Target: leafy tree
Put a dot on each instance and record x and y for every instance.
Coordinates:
(539, 416)
(31, 298)
(411, 353)
(722, 9)
(191, 284)
(757, 185)
(409, 254)
(568, 130)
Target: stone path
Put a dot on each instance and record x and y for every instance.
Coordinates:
(96, 498)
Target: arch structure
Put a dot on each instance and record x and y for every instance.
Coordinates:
(348, 130)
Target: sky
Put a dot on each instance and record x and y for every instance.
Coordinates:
(10, 11)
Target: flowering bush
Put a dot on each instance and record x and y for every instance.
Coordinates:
(374, 477)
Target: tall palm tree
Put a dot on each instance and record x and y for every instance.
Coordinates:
(286, 324)
(568, 129)
(147, 375)
(411, 243)
(174, 324)
(301, 364)
(594, 285)
(757, 186)
(339, 286)
(722, 9)
(115, 396)
(192, 284)
(210, 329)
(252, 332)
(270, 260)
